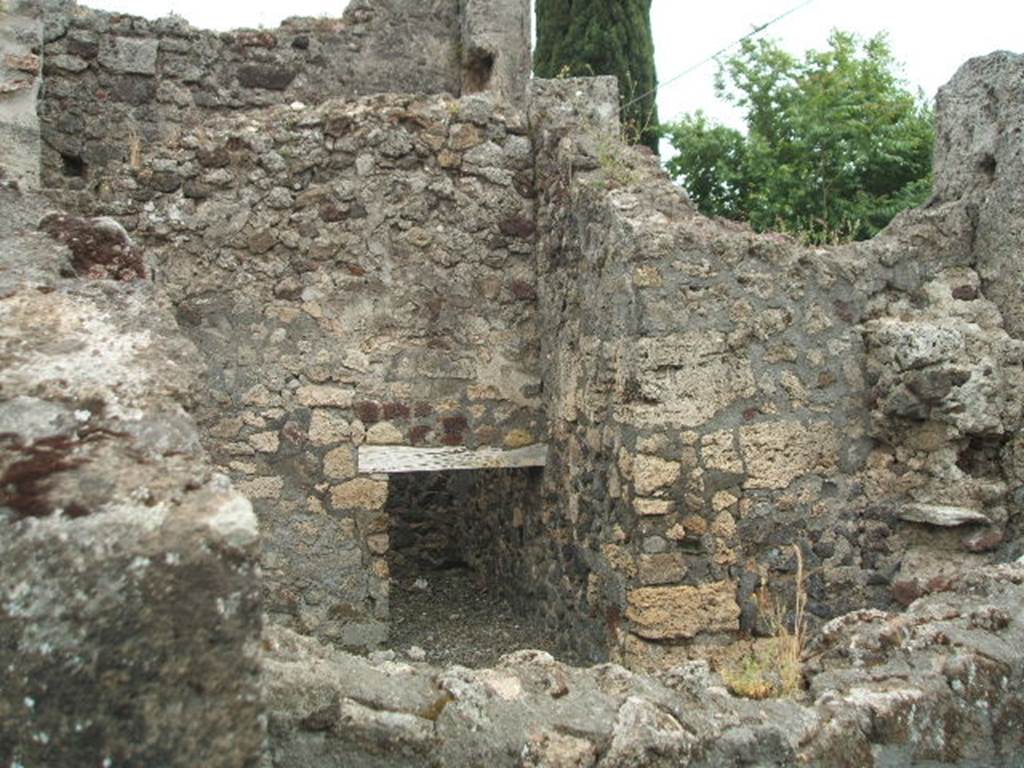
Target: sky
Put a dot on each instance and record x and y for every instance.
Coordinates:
(931, 39)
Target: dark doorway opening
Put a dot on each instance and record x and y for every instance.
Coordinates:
(462, 588)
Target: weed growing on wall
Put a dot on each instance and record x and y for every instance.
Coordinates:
(775, 669)
(612, 146)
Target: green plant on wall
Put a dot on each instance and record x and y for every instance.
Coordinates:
(603, 37)
(834, 147)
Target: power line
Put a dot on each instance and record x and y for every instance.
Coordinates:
(755, 31)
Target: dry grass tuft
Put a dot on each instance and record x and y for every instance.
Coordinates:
(134, 149)
(750, 680)
(777, 670)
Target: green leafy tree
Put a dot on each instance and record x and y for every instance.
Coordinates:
(835, 144)
(603, 37)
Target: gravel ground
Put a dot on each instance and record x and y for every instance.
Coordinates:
(455, 620)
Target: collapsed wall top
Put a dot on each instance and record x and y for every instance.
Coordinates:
(116, 83)
(979, 156)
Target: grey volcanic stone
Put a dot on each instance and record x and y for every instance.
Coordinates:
(979, 156)
(265, 76)
(129, 55)
(883, 689)
(129, 599)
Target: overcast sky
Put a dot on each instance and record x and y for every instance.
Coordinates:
(931, 39)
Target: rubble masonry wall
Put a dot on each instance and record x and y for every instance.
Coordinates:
(360, 272)
(118, 84)
(717, 396)
(369, 271)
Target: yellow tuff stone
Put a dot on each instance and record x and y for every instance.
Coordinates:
(682, 612)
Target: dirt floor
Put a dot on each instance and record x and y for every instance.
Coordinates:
(454, 619)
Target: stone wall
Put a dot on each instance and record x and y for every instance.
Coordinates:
(983, 159)
(482, 519)
(496, 48)
(489, 521)
(425, 510)
(503, 537)
(717, 396)
(116, 85)
(435, 271)
(712, 396)
(361, 272)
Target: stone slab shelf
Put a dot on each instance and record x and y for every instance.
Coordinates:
(386, 459)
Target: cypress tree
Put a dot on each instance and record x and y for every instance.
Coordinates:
(603, 37)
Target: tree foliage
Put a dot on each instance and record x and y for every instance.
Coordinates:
(603, 37)
(835, 144)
